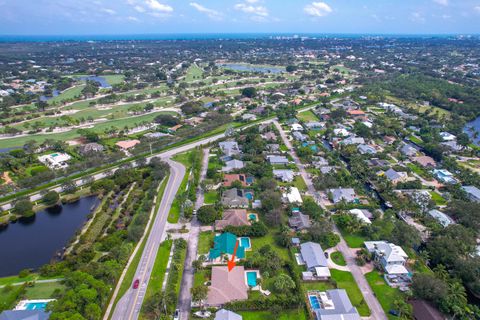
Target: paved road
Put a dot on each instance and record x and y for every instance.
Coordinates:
(128, 307)
(372, 302)
(185, 299)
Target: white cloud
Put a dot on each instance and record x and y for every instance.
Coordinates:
(213, 14)
(251, 9)
(139, 9)
(130, 18)
(476, 9)
(109, 11)
(251, 1)
(417, 17)
(157, 6)
(441, 2)
(318, 9)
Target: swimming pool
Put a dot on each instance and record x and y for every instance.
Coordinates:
(314, 302)
(245, 242)
(252, 278)
(253, 216)
(35, 305)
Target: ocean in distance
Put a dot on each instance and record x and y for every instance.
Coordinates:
(199, 36)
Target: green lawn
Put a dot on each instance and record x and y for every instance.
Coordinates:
(193, 73)
(267, 315)
(338, 258)
(354, 240)
(69, 94)
(9, 297)
(307, 116)
(416, 140)
(211, 197)
(439, 200)
(418, 170)
(205, 242)
(300, 183)
(343, 280)
(159, 269)
(175, 209)
(385, 294)
(43, 290)
(269, 239)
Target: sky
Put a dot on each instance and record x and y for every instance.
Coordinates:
(98, 17)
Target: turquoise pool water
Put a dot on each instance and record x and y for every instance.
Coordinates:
(35, 306)
(252, 216)
(245, 242)
(314, 302)
(252, 278)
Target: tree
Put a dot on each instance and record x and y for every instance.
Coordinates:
(403, 308)
(167, 120)
(199, 293)
(207, 214)
(291, 68)
(428, 287)
(249, 92)
(283, 282)
(24, 208)
(89, 135)
(51, 198)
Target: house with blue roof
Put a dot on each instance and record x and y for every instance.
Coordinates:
(224, 244)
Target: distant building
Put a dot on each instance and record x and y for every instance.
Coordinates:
(284, 175)
(391, 257)
(227, 286)
(24, 315)
(227, 315)
(362, 215)
(274, 159)
(233, 165)
(444, 176)
(232, 217)
(315, 261)
(91, 147)
(425, 161)
(441, 217)
(293, 196)
(395, 177)
(234, 198)
(343, 194)
(332, 305)
(366, 149)
(57, 160)
(299, 221)
(127, 144)
(229, 148)
(473, 193)
(447, 136)
(408, 150)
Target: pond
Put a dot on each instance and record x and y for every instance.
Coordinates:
(475, 133)
(252, 68)
(100, 80)
(33, 242)
(55, 93)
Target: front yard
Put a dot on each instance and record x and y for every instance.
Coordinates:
(385, 294)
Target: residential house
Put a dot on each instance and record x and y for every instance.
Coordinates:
(425, 161)
(473, 193)
(233, 165)
(389, 256)
(362, 215)
(24, 315)
(408, 150)
(127, 144)
(441, 217)
(269, 136)
(444, 176)
(319, 162)
(356, 114)
(299, 221)
(395, 177)
(447, 136)
(274, 159)
(56, 160)
(333, 305)
(452, 146)
(299, 136)
(314, 125)
(284, 175)
(90, 148)
(378, 163)
(223, 314)
(273, 148)
(292, 195)
(249, 117)
(314, 258)
(341, 132)
(234, 198)
(389, 139)
(226, 286)
(353, 140)
(228, 179)
(229, 148)
(366, 149)
(224, 245)
(232, 217)
(296, 127)
(343, 194)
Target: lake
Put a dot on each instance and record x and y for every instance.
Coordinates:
(100, 80)
(251, 68)
(33, 242)
(476, 125)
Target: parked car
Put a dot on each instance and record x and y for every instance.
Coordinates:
(394, 313)
(176, 315)
(136, 283)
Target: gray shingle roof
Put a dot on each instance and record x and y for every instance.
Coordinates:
(344, 310)
(313, 255)
(24, 315)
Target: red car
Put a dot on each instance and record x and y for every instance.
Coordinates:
(136, 283)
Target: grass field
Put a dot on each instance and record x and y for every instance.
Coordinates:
(307, 116)
(338, 258)
(68, 94)
(300, 183)
(267, 315)
(439, 200)
(205, 242)
(211, 197)
(269, 239)
(193, 73)
(159, 269)
(175, 209)
(43, 290)
(130, 122)
(385, 294)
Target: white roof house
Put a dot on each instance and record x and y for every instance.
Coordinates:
(297, 127)
(360, 214)
(447, 136)
(293, 196)
(441, 217)
(472, 192)
(284, 175)
(223, 314)
(390, 256)
(57, 160)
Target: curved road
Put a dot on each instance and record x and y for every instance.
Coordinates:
(128, 307)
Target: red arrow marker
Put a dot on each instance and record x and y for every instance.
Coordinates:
(231, 263)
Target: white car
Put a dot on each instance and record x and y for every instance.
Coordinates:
(176, 315)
